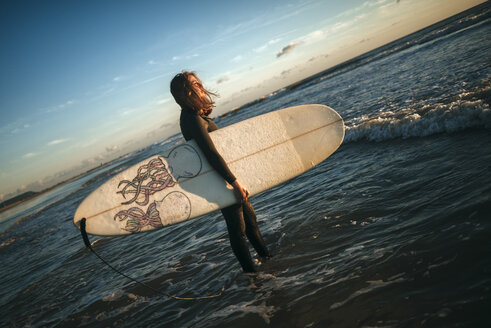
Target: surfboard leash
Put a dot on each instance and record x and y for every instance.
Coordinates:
(89, 246)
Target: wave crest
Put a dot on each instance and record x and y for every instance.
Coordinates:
(424, 120)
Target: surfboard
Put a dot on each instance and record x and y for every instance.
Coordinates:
(180, 184)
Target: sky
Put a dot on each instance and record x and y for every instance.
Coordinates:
(84, 82)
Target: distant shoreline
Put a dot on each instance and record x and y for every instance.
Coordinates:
(34, 194)
(9, 203)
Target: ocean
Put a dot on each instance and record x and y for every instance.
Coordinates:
(393, 230)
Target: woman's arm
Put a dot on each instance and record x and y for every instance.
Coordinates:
(201, 136)
(203, 139)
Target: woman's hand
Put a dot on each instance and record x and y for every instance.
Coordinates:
(241, 192)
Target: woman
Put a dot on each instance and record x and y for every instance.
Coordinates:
(196, 105)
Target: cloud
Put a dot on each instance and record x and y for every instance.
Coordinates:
(56, 141)
(60, 107)
(222, 79)
(237, 59)
(289, 48)
(317, 57)
(185, 57)
(128, 111)
(119, 78)
(343, 25)
(68, 103)
(112, 148)
(13, 128)
(166, 125)
(309, 38)
(261, 48)
(29, 155)
(266, 45)
(92, 160)
(374, 3)
(163, 101)
(285, 73)
(313, 36)
(152, 62)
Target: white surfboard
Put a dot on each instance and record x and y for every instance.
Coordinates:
(180, 184)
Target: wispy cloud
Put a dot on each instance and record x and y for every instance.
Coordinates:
(375, 3)
(112, 148)
(289, 48)
(61, 106)
(119, 78)
(162, 101)
(222, 79)
(237, 59)
(363, 7)
(152, 62)
(109, 89)
(29, 155)
(185, 57)
(127, 112)
(20, 128)
(68, 103)
(318, 57)
(266, 45)
(13, 127)
(260, 22)
(314, 36)
(285, 72)
(92, 160)
(56, 142)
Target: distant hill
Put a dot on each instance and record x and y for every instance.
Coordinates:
(17, 198)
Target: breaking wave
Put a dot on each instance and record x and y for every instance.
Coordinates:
(467, 110)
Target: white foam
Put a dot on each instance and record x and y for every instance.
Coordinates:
(262, 310)
(372, 285)
(419, 120)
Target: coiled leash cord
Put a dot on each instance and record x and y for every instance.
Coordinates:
(88, 245)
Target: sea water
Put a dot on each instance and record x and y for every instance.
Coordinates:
(393, 230)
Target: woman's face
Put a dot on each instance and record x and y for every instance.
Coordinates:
(197, 87)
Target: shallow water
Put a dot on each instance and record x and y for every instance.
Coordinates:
(391, 231)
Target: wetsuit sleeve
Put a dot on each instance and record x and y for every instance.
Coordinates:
(202, 138)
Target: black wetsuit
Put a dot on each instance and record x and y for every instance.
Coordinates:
(240, 218)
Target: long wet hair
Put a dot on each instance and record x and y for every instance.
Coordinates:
(185, 94)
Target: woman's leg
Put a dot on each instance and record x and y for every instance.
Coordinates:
(252, 230)
(236, 232)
